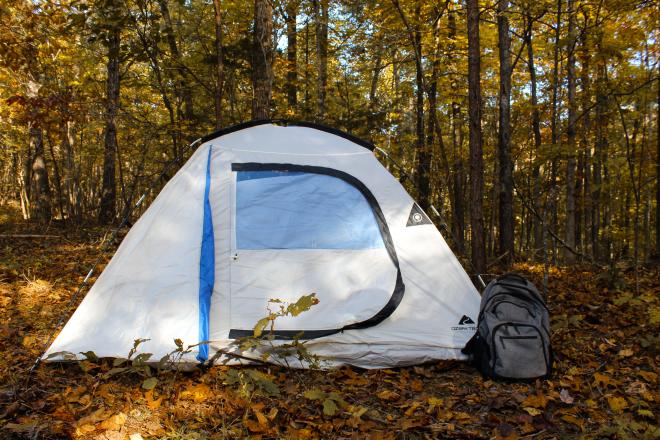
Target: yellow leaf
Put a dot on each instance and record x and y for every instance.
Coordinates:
(387, 395)
(602, 379)
(115, 422)
(626, 352)
(151, 402)
(617, 404)
(535, 401)
(532, 411)
(261, 418)
(197, 393)
(574, 420)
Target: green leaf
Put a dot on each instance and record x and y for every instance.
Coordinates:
(260, 326)
(314, 394)
(119, 361)
(329, 407)
(303, 304)
(150, 383)
(90, 356)
(141, 358)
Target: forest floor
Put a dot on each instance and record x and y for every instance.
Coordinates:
(604, 334)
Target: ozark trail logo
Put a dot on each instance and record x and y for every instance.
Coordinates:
(465, 323)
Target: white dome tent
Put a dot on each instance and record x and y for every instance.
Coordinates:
(279, 210)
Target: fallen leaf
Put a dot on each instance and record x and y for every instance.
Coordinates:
(566, 397)
(115, 422)
(150, 383)
(388, 395)
(617, 404)
(535, 401)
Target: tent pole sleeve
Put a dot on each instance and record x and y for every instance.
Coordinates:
(206, 268)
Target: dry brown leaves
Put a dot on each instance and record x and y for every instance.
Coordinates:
(605, 384)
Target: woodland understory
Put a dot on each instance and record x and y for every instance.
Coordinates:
(527, 130)
(605, 383)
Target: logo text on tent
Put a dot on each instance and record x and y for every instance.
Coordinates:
(465, 323)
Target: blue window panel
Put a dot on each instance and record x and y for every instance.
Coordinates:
(297, 210)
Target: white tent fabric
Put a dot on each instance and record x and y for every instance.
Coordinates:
(269, 211)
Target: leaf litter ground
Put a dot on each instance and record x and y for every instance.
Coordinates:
(605, 383)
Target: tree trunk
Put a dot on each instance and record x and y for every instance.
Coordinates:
(220, 70)
(321, 18)
(476, 151)
(570, 131)
(262, 59)
(70, 176)
(600, 124)
(585, 146)
(107, 208)
(458, 208)
(423, 156)
(506, 227)
(536, 129)
(553, 198)
(40, 193)
(657, 175)
(292, 55)
(184, 86)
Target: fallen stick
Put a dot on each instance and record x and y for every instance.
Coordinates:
(28, 236)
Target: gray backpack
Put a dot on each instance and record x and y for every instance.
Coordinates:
(513, 331)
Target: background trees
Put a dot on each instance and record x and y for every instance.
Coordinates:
(546, 110)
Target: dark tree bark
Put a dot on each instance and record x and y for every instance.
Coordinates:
(553, 197)
(657, 175)
(476, 150)
(107, 207)
(292, 55)
(183, 80)
(262, 59)
(321, 19)
(585, 128)
(506, 227)
(536, 129)
(423, 156)
(600, 129)
(40, 193)
(571, 135)
(220, 70)
(458, 208)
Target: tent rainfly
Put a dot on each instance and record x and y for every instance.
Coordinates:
(266, 210)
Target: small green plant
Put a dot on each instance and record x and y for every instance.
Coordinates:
(263, 338)
(331, 401)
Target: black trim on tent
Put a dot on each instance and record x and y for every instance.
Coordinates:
(399, 287)
(287, 123)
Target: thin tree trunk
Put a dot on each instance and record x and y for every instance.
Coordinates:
(585, 147)
(56, 175)
(458, 209)
(40, 193)
(262, 59)
(657, 174)
(184, 86)
(292, 55)
(506, 226)
(220, 70)
(321, 18)
(373, 89)
(476, 151)
(571, 134)
(536, 129)
(107, 208)
(599, 152)
(553, 198)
